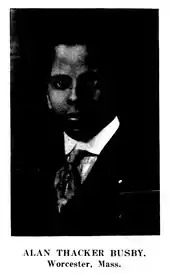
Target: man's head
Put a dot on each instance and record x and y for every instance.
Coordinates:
(77, 91)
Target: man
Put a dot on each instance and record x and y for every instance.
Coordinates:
(91, 198)
(75, 94)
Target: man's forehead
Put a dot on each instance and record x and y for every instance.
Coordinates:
(70, 54)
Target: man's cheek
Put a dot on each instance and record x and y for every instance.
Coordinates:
(58, 102)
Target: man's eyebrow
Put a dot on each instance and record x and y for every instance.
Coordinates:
(59, 68)
(60, 75)
(90, 72)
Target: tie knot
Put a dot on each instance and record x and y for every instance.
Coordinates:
(76, 155)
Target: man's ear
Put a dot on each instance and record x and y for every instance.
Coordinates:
(49, 103)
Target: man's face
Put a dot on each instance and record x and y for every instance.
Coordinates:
(74, 92)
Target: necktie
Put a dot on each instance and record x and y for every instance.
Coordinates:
(68, 178)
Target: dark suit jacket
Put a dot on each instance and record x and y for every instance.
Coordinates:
(119, 197)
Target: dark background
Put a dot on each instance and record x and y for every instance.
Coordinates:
(131, 39)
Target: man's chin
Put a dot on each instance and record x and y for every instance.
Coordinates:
(81, 131)
(79, 134)
(76, 133)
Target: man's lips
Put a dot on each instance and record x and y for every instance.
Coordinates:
(73, 116)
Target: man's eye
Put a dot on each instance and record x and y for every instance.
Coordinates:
(90, 84)
(93, 83)
(61, 82)
(89, 80)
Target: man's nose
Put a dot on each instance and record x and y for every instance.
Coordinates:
(73, 91)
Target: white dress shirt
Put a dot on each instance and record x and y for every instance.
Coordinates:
(94, 146)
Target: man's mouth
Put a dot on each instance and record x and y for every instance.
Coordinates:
(73, 116)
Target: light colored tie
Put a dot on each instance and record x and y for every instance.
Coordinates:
(68, 178)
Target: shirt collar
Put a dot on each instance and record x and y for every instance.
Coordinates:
(97, 143)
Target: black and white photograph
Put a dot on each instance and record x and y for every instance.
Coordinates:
(84, 107)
